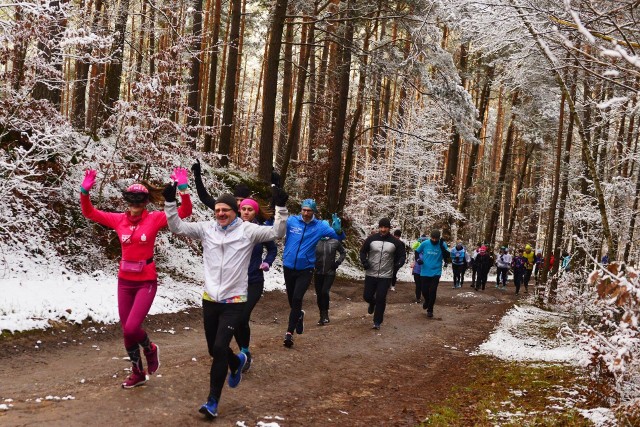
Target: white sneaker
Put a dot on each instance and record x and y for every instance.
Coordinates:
(393, 288)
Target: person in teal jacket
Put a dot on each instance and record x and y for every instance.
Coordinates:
(434, 252)
(299, 259)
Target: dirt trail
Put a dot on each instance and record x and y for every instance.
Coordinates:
(341, 374)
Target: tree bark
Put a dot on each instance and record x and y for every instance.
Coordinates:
(194, 83)
(114, 74)
(270, 86)
(226, 127)
(213, 71)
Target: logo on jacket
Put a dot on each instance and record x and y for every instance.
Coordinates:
(143, 238)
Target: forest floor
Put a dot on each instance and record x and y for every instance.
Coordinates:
(342, 374)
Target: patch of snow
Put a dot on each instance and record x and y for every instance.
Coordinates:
(600, 417)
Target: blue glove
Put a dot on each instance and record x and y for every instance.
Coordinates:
(336, 223)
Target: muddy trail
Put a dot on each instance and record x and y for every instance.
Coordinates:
(341, 374)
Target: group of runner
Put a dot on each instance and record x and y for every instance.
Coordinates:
(238, 247)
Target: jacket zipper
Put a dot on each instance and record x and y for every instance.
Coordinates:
(381, 255)
(295, 260)
(221, 265)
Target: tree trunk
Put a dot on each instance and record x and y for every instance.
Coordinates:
(114, 74)
(270, 86)
(492, 225)
(473, 157)
(292, 143)
(453, 154)
(194, 83)
(519, 184)
(335, 153)
(213, 71)
(51, 90)
(226, 126)
(287, 82)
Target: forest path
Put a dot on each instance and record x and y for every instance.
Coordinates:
(340, 374)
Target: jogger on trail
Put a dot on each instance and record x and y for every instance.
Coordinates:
(325, 272)
(459, 261)
(483, 263)
(304, 232)
(503, 264)
(434, 252)
(531, 259)
(380, 254)
(137, 229)
(227, 243)
(416, 267)
(474, 266)
(519, 266)
(397, 234)
(250, 211)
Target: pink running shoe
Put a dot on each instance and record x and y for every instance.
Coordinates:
(136, 378)
(153, 359)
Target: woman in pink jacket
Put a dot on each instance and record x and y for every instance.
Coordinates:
(137, 229)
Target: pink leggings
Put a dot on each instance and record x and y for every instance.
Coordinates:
(134, 302)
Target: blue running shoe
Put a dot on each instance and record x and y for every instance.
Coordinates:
(300, 324)
(235, 377)
(288, 340)
(247, 365)
(210, 409)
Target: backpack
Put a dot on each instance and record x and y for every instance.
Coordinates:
(446, 255)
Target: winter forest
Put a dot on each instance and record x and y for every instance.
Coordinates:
(509, 122)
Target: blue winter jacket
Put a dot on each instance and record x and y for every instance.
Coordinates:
(301, 241)
(431, 258)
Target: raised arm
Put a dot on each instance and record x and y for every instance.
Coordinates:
(176, 225)
(108, 219)
(203, 195)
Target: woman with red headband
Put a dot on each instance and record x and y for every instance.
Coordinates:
(137, 229)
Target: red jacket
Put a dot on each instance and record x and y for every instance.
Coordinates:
(137, 241)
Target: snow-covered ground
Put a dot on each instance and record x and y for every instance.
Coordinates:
(35, 292)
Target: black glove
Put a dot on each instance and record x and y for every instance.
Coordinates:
(279, 196)
(196, 169)
(419, 261)
(445, 265)
(169, 192)
(366, 265)
(275, 178)
(336, 265)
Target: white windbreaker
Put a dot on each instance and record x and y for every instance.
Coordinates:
(226, 252)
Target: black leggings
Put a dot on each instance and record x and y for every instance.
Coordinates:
(458, 274)
(416, 279)
(296, 282)
(323, 283)
(243, 332)
(220, 322)
(429, 291)
(375, 292)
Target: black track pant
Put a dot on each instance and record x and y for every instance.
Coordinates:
(429, 291)
(458, 274)
(323, 283)
(297, 282)
(416, 279)
(375, 291)
(243, 332)
(220, 322)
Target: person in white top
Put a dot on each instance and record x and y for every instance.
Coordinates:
(227, 244)
(503, 262)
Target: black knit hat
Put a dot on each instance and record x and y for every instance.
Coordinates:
(435, 234)
(241, 190)
(228, 199)
(384, 222)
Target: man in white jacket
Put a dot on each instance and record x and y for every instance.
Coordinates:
(227, 244)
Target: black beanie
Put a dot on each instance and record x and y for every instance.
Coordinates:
(241, 190)
(435, 234)
(384, 222)
(228, 199)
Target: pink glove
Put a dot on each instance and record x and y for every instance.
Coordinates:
(180, 175)
(89, 181)
(264, 266)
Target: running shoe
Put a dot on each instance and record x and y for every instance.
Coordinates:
(137, 378)
(235, 377)
(429, 313)
(288, 340)
(376, 326)
(372, 307)
(210, 409)
(153, 359)
(247, 365)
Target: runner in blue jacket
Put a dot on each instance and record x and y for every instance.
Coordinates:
(299, 259)
(434, 252)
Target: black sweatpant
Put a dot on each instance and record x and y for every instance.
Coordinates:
(296, 282)
(458, 274)
(416, 279)
(474, 276)
(243, 332)
(323, 283)
(502, 276)
(429, 291)
(220, 322)
(375, 291)
(527, 277)
(481, 279)
(518, 278)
